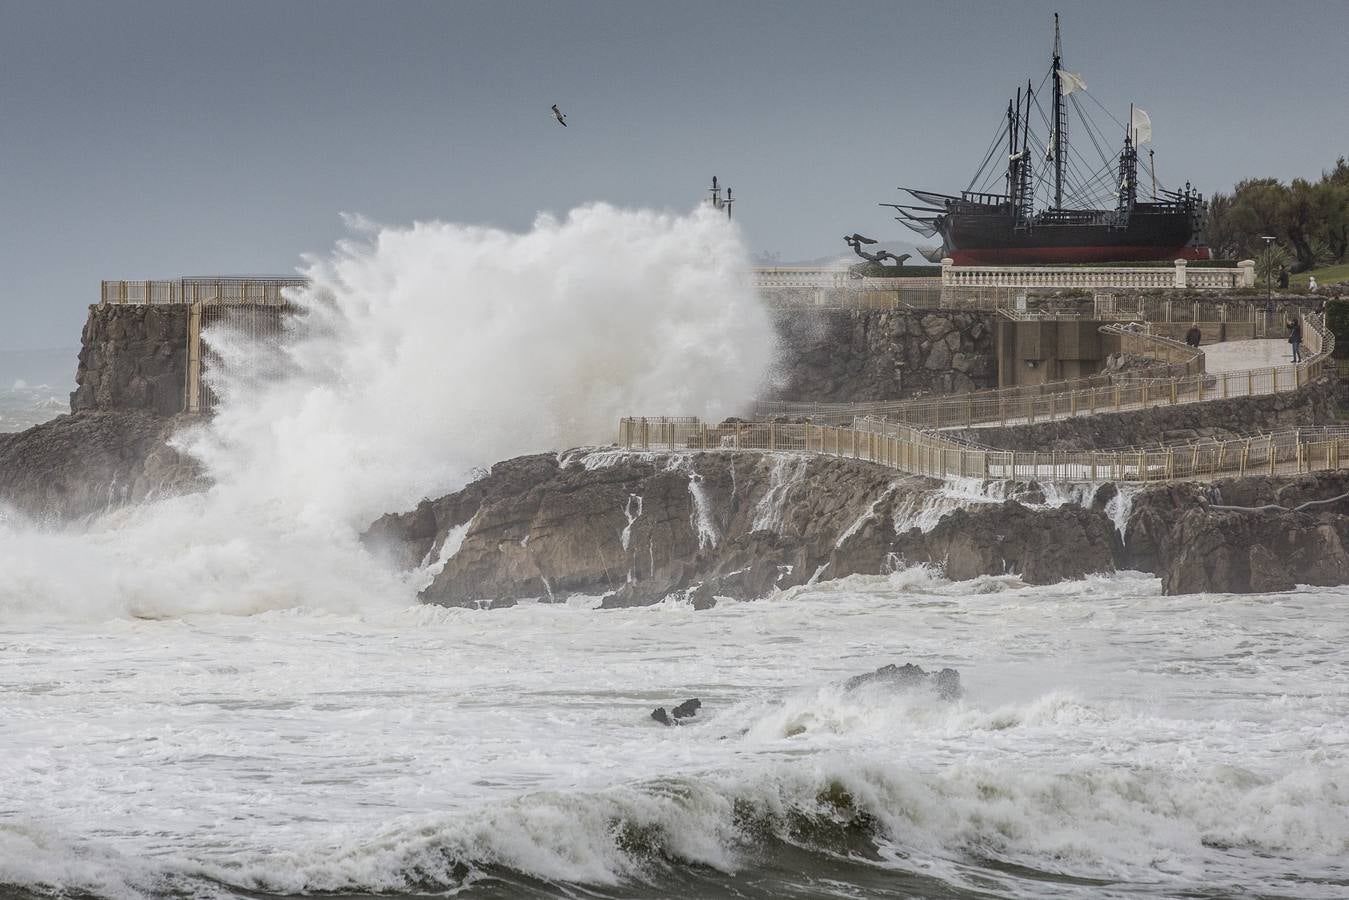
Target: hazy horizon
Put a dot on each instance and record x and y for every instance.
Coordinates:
(151, 139)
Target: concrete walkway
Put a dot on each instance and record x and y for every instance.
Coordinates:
(1238, 356)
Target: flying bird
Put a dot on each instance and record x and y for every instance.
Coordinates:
(557, 114)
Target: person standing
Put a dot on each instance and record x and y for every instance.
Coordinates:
(1194, 337)
(1283, 278)
(1295, 338)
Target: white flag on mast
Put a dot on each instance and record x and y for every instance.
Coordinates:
(1141, 126)
(1069, 82)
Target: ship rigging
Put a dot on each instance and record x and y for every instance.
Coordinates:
(1042, 199)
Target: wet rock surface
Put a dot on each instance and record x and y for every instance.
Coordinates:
(1264, 545)
(686, 710)
(945, 683)
(634, 529)
(79, 465)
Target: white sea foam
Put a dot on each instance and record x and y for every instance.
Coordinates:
(1169, 744)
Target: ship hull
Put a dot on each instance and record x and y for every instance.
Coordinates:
(992, 239)
(1103, 253)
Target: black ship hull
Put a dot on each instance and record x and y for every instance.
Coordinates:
(992, 237)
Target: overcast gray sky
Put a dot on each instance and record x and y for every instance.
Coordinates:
(152, 139)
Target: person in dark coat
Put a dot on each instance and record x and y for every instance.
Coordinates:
(1295, 338)
(1283, 278)
(1194, 336)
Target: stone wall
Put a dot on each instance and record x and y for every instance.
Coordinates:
(1312, 405)
(133, 357)
(844, 355)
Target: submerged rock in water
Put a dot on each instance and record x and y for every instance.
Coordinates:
(945, 683)
(686, 710)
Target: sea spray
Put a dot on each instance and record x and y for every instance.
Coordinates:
(418, 355)
(428, 350)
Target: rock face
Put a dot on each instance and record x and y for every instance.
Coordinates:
(843, 355)
(133, 357)
(80, 465)
(635, 528)
(1197, 548)
(1312, 405)
(1043, 546)
(946, 683)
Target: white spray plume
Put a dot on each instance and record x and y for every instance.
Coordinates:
(429, 350)
(422, 353)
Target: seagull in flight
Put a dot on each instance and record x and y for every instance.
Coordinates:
(557, 114)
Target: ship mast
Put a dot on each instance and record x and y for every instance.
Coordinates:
(1060, 117)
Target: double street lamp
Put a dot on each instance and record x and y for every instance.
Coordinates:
(1269, 240)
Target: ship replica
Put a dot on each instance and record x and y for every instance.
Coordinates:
(1055, 206)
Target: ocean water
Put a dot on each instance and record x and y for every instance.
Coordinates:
(1110, 742)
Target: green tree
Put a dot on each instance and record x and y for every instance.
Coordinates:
(1269, 261)
(1257, 206)
(1219, 234)
(1298, 220)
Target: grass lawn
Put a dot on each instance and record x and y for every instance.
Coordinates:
(1326, 275)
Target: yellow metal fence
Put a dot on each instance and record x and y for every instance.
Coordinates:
(923, 453)
(265, 291)
(1084, 396)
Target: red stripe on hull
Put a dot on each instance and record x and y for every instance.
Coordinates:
(993, 256)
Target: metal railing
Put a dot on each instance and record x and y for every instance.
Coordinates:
(918, 452)
(909, 436)
(264, 290)
(1030, 404)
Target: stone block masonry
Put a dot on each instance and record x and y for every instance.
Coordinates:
(840, 355)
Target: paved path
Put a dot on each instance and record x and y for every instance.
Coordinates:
(1238, 356)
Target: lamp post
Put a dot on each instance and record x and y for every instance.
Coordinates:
(1269, 276)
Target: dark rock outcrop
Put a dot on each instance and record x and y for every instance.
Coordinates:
(1183, 533)
(1042, 546)
(79, 465)
(686, 710)
(636, 528)
(946, 683)
(848, 355)
(133, 358)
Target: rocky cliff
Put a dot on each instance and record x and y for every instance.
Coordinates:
(639, 527)
(843, 355)
(80, 465)
(113, 449)
(133, 357)
(636, 528)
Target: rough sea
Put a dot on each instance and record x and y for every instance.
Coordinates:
(1110, 742)
(224, 695)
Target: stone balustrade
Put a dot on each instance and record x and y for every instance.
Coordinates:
(1180, 275)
